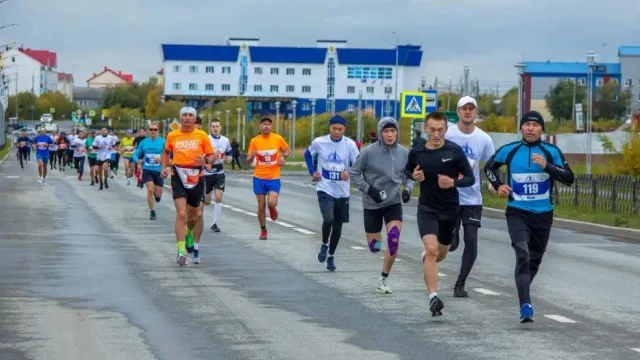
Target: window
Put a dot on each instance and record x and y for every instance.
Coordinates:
(226, 87)
(351, 89)
(599, 82)
(291, 71)
(176, 68)
(257, 105)
(226, 69)
(291, 88)
(306, 89)
(257, 88)
(388, 90)
(208, 87)
(274, 71)
(369, 72)
(257, 71)
(370, 89)
(193, 69)
(306, 72)
(582, 82)
(351, 107)
(193, 86)
(209, 69)
(274, 88)
(628, 82)
(306, 106)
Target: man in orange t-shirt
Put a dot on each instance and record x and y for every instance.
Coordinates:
(268, 152)
(191, 151)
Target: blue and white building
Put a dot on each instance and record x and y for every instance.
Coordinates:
(331, 74)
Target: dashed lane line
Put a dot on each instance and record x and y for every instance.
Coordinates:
(304, 231)
(357, 248)
(486, 291)
(636, 349)
(560, 319)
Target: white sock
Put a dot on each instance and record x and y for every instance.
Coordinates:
(215, 212)
(195, 246)
(432, 295)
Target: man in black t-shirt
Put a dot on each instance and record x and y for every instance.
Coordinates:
(440, 166)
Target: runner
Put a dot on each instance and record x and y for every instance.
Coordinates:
(148, 156)
(140, 135)
(127, 147)
(53, 150)
(114, 156)
(335, 153)
(378, 173)
(41, 144)
(70, 150)
(214, 176)
(91, 157)
(23, 146)
(533, 167)
(63, 146)
(440, 166)
(478, 147)
(104, 144)
(79, 153)
(265, 152)
(191, 151)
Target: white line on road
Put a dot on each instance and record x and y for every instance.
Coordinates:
(560, 318)
(12, 177)
(636, 349)
(486, 291)
(304, 231)
(249, 213)
(357, 248)
(236, 209)
(442, 275)
(282, 223)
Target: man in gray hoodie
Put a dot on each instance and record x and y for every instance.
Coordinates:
(378, 173)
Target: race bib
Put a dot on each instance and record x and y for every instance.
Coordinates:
(22, 143)
(152, 159)
(53, 147)
(532, 186)
(332, 171)
(129, 149)
(267, 157)
(63, 146)
(189, 177)
(80, 150)
(42, 146)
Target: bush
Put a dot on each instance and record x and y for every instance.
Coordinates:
(628, 163)
(494, 123)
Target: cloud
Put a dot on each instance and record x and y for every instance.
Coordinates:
(489, 35)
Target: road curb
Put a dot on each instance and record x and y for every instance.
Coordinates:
(6, 156)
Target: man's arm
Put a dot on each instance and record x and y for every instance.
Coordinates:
(410, 166)
(286, 151)
(468, 179)
(250, 151)
(355, 172)
(492, 167)
(308, 157)
(559, 170)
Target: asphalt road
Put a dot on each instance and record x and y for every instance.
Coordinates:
(86, 275)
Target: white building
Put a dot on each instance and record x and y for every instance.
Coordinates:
(65, 85)
(331, 74)
(27, 70)
(108, 78)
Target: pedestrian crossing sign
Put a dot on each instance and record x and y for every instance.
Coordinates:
(412, 104)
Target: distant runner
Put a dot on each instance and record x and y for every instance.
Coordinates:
(214, 173)
(148, 156)
(41, 144)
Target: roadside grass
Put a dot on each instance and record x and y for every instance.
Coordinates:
(5, 149)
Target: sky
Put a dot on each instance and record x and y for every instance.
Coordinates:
(488, 35)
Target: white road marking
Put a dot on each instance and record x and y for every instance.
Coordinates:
(236, 209)
(282, 223)
(249, 213)
(442, 275)
(12, 177)
(225, 205)
(560, 318)
(304, 231)
(357, 248)
(636, 349)
(486, 291)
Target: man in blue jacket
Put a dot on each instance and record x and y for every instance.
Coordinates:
(533, 167)
(147, 156)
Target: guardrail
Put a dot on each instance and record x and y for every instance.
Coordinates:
(613, 193)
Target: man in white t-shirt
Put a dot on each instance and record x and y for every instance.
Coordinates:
(104, 144)
(214, 177)
(336, 153)
(478, 146)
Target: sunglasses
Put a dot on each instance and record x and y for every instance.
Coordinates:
(152, 129)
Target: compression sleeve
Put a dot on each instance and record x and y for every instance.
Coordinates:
(559, 170)
(408, 168)
(308, 159)
(493, 165)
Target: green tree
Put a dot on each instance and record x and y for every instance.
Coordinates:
(612, 101)
(560, 99)
(448, 101)
(26, 101)
(62, 105)
(509, 103)
(168, 110)
(152, 104)
(127, 96)
(486, 105)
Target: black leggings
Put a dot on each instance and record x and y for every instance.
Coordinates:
(113, 165)
(23, 155)
(529, 234)
(53, 158)
(333, 217)
(470, 252)
(78, 163)
(62, 158)
(235, 160)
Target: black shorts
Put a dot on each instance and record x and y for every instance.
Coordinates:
(470, 215)
(153, 176)
(373, 218)
(533, 228)
(333, 208)
(194, 196)
(442, 225)
(92, 161)
(102, 162)
(214, 182)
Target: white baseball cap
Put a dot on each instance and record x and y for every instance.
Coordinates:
(467, 100)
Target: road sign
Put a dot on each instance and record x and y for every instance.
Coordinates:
(52, 110)
(92, 113)
(431, 101)
(175, 125)
(412, 104)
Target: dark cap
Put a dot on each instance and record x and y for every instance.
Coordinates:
(266, 119)
(532, 116)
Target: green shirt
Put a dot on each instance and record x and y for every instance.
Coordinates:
(91, 151)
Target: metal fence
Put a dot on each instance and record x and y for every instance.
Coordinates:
(613, 193)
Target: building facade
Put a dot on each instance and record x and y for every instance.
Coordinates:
(109, 78)
(330, 75)
(27, 70)
(88, 98)
(65, 85)
(630, 68)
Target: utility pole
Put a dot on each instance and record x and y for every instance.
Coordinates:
(450, 94)
(466, 80)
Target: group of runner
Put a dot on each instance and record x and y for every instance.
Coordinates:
(446, 167)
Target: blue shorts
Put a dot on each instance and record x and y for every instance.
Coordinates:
(128, 158)
(264, 186)
(45, 159)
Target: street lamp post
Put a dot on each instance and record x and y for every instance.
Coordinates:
(591, 63)
(226, 125)
(395, 96)
(466, 80)
(520, 67)
(333, 105)
(359, 131)
(277, 117)
(209, 121)
(239, 110)
(294, 103)
(313, 118)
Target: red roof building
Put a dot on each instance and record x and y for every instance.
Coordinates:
(44, 57)
(109, 78)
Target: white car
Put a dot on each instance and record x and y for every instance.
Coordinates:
(30, 131)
